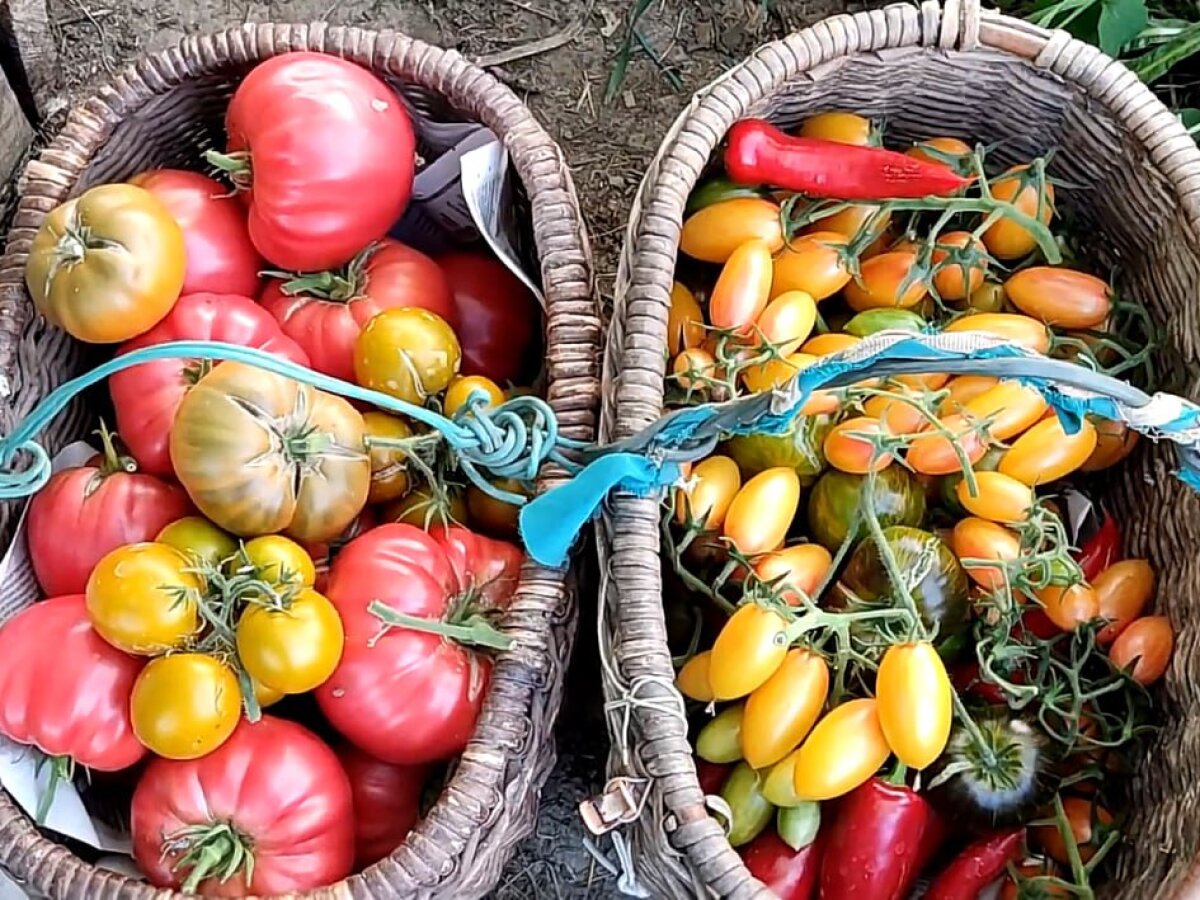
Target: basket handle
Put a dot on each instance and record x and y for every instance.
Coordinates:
(652, 459)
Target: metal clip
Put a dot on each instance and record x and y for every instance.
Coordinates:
(620, 804)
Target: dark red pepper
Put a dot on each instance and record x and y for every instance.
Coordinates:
(759, 153)
(977, 866)
(791, 874)
(1101, 550)
(712, 775)
(882, 837)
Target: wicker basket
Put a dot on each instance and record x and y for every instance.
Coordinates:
(930, 70)
(162, 112)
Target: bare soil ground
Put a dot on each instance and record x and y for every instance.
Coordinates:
(608, 145)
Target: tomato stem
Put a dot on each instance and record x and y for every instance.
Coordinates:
(113, 460)
(235, 165)
(211, 850)
(475, 630)
(340, 286)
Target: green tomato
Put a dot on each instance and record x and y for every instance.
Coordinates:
(870, 321)
(798, 448)
(720, 741)
(898, 498)
(752, 811)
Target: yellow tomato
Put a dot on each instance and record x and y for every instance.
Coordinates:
(1062, 298)
(779, 787)
(844, 749)
(264, 695)
(710, 488)
(1010, 406)
(742, 289)
(199, 539)
(841, 127)
(853, 219)
(408, 353)
(801, 568)
(975, 538)
(280, 561)
(1069, 607)
(831, 342)
(185, 705)
(848, 450)
(915, 703)
(1016, 329)
(1114, 442)
(935, 454)
(1046, 453)
(425, 509)
(141, 598)
(998, 497)
(762, 511)
(895, 414)
(880, 281)
(294, 649)
(719, 741)
(775, 373)
(812, 263)
(463, 386)
(779, 714)
(750, 648)
(958, 276)
(389, 468)
(693, 368)
(685, 321)
(787, 321)
(712, 234)
(1005, 238)
(692, 679)
(964, 389)
(939, 145)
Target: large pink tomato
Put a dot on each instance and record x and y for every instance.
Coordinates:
(273, 797)
(220, 257)
(64, 689)
(147, 397)
(326, 151)
(85, 512)
(403, 694)
(326, 312)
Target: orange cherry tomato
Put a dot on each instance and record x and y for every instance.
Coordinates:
(957, 280)
(1020, 330)
(997, 498)
(975, 538)
(1145, 645)
(841, 127)
(743, 287)
(692, 679)
(775, 373)
(798, 569)
(782, 711)
(713, 233)
(830, 342)
(692, 367)
(751, 647)
(1005, 238)
(762, 511)
(843, 750)
(711, 486)
(896, 415)
(1046, 453)
(927, 381)
(963, 390)
(1010, 406)
(1069, 607)
(1123, 589)
(847, 451)
(1088, 822)
(935, 454)
(880, 280)
(915, 703)
(1114, 442)
(941, 145)
(685, 321)
(787, 321)
(1062, 298)
(811, 263)
(854, 219)
(458, 392)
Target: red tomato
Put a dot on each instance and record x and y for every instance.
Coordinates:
(220, 256)
(1146, 646)
(499, 319)
(86, 512)
(64, 689)
(326, 151)
(387, 803)
(146, 397)
(323, 554)
(326, 312)
(273, 785)
(402, 695)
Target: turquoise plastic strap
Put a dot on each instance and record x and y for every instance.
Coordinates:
(512, 440)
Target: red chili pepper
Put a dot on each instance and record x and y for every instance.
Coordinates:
(791, 874)
(711, 775)
(1100, 550)
(883, 836)
(977, 866)
(759, 153)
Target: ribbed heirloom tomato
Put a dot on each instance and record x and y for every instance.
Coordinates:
(147, 396)
(325, 151)
(408, 694)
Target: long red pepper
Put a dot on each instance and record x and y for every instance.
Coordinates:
(882, 837)
(977, 866)
(1101, 550)
(791, 874)
(759, 153)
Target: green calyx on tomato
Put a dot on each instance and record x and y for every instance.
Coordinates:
(340, 286)
(834, 501)
(798, 448)
(235, 166)
(216, 850)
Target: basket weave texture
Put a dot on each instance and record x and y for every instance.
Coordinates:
(1132, 179)
(163, 111)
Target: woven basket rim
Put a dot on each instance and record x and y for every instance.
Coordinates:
(491, 799)
(641, 686)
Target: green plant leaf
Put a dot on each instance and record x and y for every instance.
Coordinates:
(1120, 22)
(1154, 65)
(1190, 117)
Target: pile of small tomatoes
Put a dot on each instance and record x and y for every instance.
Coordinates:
(906, 660)
(246, 542)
